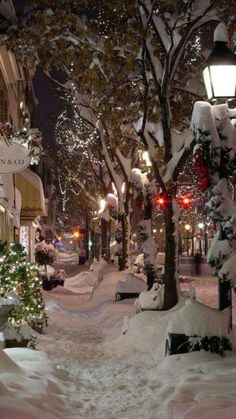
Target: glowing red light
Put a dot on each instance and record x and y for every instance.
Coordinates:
(186, 201)
(161, 201)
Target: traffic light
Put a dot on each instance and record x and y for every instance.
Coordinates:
(185, 201)
(161, 200)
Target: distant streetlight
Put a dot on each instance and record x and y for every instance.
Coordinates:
(201, 226)
(187, 227)
(154, 230)
(219, 72)
(76, 235)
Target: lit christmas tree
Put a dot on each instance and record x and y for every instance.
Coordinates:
(16, 274)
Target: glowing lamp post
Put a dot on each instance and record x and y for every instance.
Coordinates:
(219, 75)
(219, 72)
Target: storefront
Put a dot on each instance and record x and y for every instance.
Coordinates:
(7, 208)
(32, 207)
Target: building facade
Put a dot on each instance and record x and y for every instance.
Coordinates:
(21, 194)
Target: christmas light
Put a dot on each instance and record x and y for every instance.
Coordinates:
(20, 276)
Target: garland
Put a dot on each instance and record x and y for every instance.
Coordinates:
(31, 139)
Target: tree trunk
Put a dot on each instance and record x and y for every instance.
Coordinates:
(124, 257)
(105, 239)
(87, 239)
(171, 257)
(95, 245)
(148, 262)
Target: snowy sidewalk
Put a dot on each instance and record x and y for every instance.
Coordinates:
(118, 376)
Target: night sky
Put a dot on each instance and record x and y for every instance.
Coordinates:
(49, 104)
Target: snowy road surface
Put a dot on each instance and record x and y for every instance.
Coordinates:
(115, 381)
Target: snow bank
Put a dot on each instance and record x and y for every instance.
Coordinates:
(98, 265)
(31, 387)
(143, 335)
(196, 385)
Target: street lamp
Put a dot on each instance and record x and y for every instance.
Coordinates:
(219, 75)
(219, 72)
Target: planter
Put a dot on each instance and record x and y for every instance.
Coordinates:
(47, 284)
(57, 282)
(4, 312)
(13, 343)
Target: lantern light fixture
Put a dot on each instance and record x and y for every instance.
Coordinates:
(219, 72)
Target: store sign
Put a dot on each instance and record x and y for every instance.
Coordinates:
(13, 157)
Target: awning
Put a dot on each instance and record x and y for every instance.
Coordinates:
(31, 188)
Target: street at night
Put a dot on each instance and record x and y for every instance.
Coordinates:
(117, 209)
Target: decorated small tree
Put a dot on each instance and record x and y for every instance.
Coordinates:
(45, 254)
(21, 276)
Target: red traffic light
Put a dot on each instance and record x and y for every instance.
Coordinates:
(186, 201)
(161, 200)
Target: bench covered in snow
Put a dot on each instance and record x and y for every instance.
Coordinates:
(130, 287)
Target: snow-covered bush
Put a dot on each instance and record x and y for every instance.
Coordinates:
(151, 300)
(215, 344)
(45, 254)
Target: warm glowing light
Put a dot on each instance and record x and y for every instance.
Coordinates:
(213, 77)
(200, 225)
(161, 201)
(186, 200)
(76, 234)
(187, 227)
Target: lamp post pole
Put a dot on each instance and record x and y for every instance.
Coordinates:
(220, 81)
